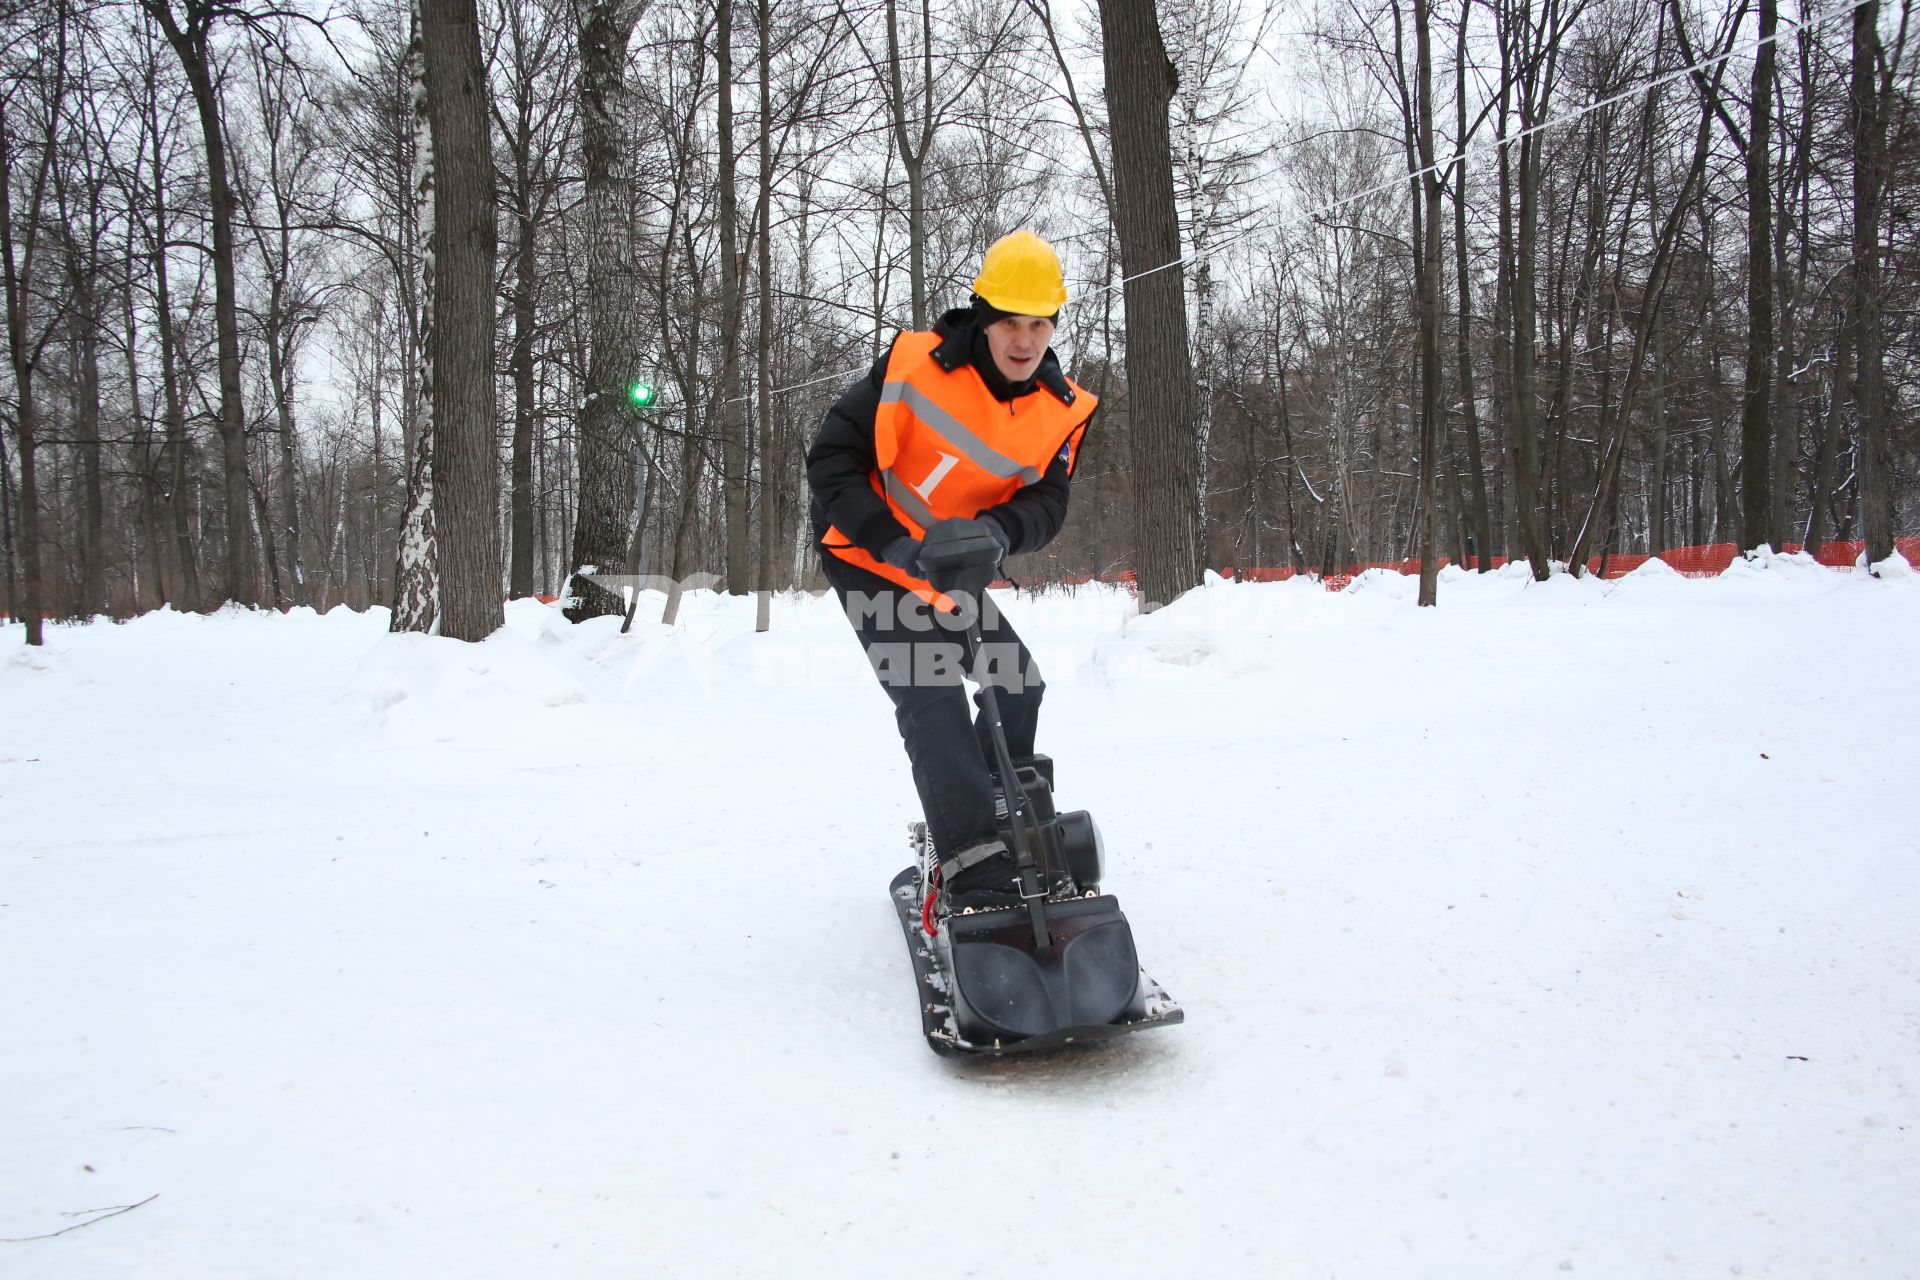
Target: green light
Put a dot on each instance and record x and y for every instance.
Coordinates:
(641, 395)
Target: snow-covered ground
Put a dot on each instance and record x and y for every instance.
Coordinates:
(1566, 927)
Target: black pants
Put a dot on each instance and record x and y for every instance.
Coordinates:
(919, 655)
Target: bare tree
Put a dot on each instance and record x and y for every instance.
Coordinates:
(157, 229)
(1482, 549)
(923, 91)
(35, 99)
(80, 179)
(1427, 268)
(283, 194)
(733, 404)
(535, 119)
(1530, 42)
(1655, 285)
(1870, 101)
(190, 33)
(1754, 144)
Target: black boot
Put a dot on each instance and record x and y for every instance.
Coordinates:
(980, 877)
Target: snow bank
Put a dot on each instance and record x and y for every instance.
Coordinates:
(442, 688)
(37, 663)
(1653, 568)
(1221, 629)
(1894, 568)
(1764, 565)
(1384, 582)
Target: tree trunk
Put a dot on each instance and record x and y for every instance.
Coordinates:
(460, 352)
(149, 565)
(1523, 444)
(1867, 120)
(1827, 448)
(1657, 539)
(733, 409)
(1427, 277)
(1756, 404)
(1140, 84)
(190, 42)
(23, 349)
(763, 376)
(280, 343)
(84, 323)
(1792, 226)
(1482, 553)
(520, 366)
(1502, 342)
(10, 606)
(179, 515)
(606, 444)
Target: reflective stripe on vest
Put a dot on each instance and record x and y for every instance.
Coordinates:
(946, 448)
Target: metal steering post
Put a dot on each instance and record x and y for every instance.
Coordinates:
(1032, 891)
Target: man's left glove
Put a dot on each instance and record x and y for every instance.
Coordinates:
(902, 553)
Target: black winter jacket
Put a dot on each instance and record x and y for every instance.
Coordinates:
(841, 463)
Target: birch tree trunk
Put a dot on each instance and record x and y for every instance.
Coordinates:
(416, 574)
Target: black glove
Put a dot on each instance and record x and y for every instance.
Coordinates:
(962, 555)
(902, 553)
(950, 535)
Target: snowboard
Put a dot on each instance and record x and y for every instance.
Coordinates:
(1058, 997)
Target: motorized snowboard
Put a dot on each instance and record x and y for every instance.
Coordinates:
(986, 988)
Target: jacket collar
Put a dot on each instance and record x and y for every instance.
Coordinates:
(956, 329)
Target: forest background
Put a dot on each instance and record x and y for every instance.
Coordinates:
(315, 306)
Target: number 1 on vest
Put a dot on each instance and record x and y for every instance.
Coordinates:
(946, 464)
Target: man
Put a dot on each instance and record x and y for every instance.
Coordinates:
(969, 429)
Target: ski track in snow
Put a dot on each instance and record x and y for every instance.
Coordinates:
(1568, 927)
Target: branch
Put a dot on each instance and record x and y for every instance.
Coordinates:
(104, 1214)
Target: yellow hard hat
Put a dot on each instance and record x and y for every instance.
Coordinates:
(1021, 276)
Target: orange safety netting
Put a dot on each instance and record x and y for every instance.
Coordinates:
(1693, 562)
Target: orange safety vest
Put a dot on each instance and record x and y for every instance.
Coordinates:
(944, 448)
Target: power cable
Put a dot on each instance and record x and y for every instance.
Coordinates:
(1847, 9)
